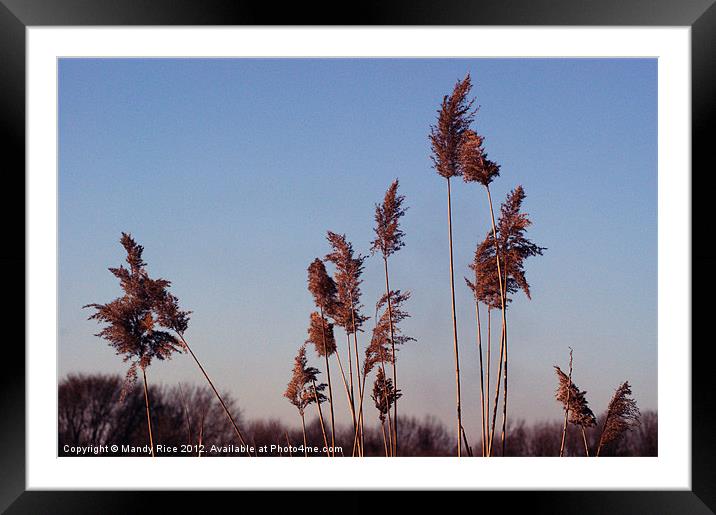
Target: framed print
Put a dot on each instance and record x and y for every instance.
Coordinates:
(427, 248)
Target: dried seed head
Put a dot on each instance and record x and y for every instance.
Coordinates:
(567, 392)
(349, 268)
(474, 163)
(514, 246)
(388, 235)
(454, 118)
(486, 287)
(137, 323)
(320, 334)
(384, 394)
(321, 286)
(622, 414)
(300, 390)
(380, 350)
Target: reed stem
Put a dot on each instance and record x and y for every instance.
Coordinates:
(586, 446)
(216, 392)
(385, 442)
(392, 349)
(346, 387)
(350, 376)
(146, 403)
(305, 441)
(566, 406)
(482, 377)
(320, 418)
(454, 325)
(497, 392)
(330, 387)
(503, 349)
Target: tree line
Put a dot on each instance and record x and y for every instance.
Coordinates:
(90, 413)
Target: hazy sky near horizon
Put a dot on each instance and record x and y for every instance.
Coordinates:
(230, 171)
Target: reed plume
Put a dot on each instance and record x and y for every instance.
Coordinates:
(380, 350)
(576, 407)
(302, 390)
(135, 325)
(388, 240)
(474, 164)
(486, 285)
(486, 289)
(349, 268)
(322, 287)
(320, 332)
(622, 416)
(153, 307)
(388, 234)
(512, 248)
(476, 167)
(384, 396)
(454, 118)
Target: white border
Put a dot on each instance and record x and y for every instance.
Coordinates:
(671, 470)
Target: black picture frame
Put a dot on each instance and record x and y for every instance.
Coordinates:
(17, 15)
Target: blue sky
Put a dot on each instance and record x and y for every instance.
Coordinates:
(230, 171)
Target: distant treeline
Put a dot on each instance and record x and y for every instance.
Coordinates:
(91, 414)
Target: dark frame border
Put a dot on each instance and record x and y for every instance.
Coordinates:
(16, 15)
